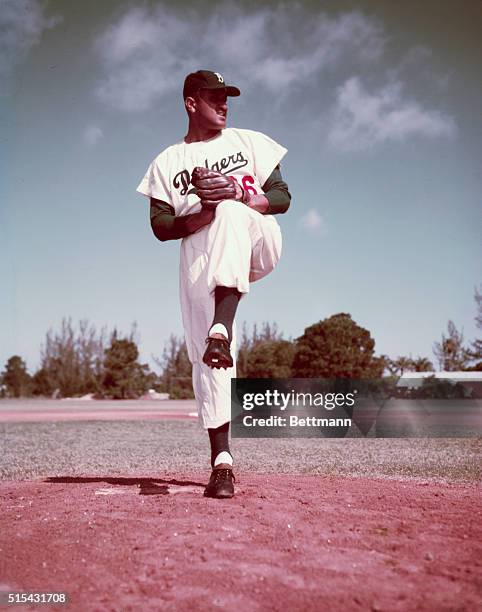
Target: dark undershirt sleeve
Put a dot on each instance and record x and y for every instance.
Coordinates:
(166, 226)
(276, 192)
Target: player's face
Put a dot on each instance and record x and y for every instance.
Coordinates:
(212, 109)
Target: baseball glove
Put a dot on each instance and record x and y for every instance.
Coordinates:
(213, 187)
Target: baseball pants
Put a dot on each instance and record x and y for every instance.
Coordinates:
(240, 246)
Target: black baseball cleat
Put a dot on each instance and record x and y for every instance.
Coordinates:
(217, 354)
(221, 483)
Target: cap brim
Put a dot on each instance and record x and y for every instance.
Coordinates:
(232, 91)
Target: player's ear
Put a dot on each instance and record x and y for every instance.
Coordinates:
(190, 104)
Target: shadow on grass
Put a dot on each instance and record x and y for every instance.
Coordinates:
(147, 486)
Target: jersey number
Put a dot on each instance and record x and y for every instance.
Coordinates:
(247, 184)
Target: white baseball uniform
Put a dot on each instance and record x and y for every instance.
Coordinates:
(238, 247)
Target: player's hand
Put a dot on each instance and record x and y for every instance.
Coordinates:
(213, 187)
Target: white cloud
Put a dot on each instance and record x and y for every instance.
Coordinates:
(92, 135)
(363, 119)
(147, 53)
(312, 221)
(22, 23)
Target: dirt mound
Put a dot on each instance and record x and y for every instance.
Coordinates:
(283, 542)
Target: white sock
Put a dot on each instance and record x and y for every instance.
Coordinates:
(218, 328)
(223, 457)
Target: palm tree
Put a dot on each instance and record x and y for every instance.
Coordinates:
(422, 364)
(400, 364)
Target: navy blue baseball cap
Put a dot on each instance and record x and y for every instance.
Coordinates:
(205, 79)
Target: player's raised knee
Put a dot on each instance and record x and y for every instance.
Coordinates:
(231, 208)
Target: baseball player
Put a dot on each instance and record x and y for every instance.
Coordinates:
(218, 190)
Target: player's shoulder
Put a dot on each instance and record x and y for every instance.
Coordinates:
(251, 139)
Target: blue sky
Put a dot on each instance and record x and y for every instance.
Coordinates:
(377, 102)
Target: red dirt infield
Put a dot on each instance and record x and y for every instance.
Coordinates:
(284, 542)
(35, 410)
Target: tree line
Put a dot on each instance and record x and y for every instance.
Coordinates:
(79, 359)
